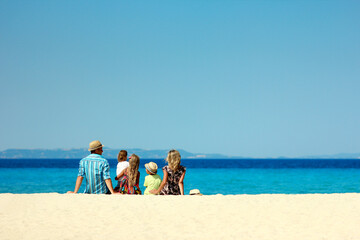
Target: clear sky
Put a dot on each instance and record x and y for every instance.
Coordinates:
(240, 78)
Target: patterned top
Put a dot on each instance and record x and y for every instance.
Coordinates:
(126, 189)
(95, 169)
(172, 185)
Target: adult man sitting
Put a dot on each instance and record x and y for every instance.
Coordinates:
(96, 171)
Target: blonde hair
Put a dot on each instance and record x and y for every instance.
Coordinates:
(173, 158)
(132, 170)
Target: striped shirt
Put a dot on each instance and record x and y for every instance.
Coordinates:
(95, 169)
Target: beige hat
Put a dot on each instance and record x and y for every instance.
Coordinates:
(95, 145)
(195, 192)
(151, 167)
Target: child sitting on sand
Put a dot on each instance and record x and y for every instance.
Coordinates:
(153, 180)
(129, 183)
(122, 164)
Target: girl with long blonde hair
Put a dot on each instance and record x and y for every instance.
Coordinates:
(130, 182)
(174, 174)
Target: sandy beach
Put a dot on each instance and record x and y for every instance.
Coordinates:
(268, 216)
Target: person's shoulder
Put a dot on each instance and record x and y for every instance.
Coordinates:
(95, 156)
(182, 168)
(154, 176)
(87, 157)
(101, 160)
(123, 164)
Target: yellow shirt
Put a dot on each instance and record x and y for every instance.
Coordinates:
(151, 182)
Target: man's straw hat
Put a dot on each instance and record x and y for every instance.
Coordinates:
(151, 167)
(95, 145)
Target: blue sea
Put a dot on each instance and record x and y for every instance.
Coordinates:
(210, 176)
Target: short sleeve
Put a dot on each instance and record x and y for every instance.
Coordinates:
(106, 170)
(118, 169)
(81, 172)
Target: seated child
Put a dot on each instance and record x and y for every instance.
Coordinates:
(131, 175)
(122, 164)
(153, 180)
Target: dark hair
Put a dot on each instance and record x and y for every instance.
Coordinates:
(124, 151)
(94, 151)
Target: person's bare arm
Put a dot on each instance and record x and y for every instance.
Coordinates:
(181, 183)
(120, 174)
(77, 184)
(157, 191)
(109, 185)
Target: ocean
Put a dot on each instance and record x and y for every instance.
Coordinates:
(210, 176)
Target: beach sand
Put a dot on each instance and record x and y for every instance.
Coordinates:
(256, 217)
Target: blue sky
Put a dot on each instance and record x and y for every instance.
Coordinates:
(241, 78)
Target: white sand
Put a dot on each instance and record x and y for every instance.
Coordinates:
(256, 217)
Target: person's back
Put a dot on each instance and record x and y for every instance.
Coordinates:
(95, 169)
(121, 166)
(172, 185)
(151, 182)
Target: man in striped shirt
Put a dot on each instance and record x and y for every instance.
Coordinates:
(96, 171)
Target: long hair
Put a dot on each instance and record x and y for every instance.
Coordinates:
(173, 158)
(132, 170)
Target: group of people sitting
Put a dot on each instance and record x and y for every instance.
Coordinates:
(96, 171)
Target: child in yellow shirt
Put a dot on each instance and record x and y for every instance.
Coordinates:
(153, 180)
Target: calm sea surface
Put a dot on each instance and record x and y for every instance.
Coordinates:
(211, 176)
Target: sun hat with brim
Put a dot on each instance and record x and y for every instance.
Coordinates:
(95, 145)
(151, 167)
(195, 192)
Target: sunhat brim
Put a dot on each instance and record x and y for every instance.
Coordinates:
(92, 149)
(150, 170)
